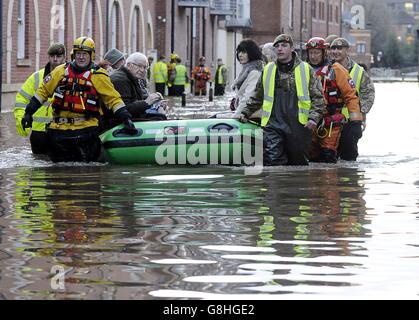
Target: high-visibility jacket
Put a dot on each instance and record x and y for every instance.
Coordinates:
(302, 82)
(219, 74)
(42, 116)
(180, 79)
(160, 72)
(356, 73)
(103, 87)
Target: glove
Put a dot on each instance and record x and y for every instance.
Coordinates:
(19, 128)
(123, 115)
(26, 121)
(30, 109)
(129, 127)
(356, 129)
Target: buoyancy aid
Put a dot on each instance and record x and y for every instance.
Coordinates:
(76, 93)
(332, 94)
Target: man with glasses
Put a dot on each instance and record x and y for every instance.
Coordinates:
(80, 90)
(129, 80)
(38, 137)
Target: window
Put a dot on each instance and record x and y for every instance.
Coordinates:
(314, 9)
(305, 13)
(90, 18)
(361, 48)
(61, 33)
(21, 26)
(291, 14)
(321, 11)
(134, 30)
(337, 14)
(330, 13)
(115, 25)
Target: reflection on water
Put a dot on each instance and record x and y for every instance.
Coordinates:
(349, 230)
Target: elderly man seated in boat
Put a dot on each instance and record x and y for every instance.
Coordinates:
(131, 82)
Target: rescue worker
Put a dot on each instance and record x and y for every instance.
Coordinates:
(338, 90)
(38, 136)
(348, 145)
(160, 75)
(77, 88)
(201, 75)
(329, 39)
(290, 95)
(171, 73)
(181, 78)
(220, 79)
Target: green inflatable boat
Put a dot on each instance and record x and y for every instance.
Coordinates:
(191, 142)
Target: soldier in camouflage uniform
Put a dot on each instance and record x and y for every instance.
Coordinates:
(348, 144)
(291, 98)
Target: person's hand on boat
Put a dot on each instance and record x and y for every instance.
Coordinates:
(153, 98)
(129, 127)
(241, 117)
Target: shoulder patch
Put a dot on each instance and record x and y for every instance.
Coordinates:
(47, 79)
(351, 83)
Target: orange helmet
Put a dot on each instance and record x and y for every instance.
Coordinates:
(316, 43)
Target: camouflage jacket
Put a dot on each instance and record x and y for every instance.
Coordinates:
(255, 101)
(367, 90)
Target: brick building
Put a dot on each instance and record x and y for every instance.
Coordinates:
(189, 28)
(302, 19)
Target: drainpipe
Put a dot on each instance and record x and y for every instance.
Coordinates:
(204, 31)
(1, 53)
(172, 39)
(107, 27)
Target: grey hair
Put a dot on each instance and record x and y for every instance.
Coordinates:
(135, 58)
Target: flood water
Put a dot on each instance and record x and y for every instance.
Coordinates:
(344, 231)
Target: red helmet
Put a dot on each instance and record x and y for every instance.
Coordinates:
(316, 43)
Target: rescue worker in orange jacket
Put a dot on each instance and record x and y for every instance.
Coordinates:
(77, 89)
(201, 75)
(338, 90)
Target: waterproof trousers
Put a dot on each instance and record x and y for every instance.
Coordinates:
(39, 143)
(348, 144)
(74, 145)
(286, 149)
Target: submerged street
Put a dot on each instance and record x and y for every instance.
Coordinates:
(344, 231)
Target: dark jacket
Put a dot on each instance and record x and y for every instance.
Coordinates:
(130, 91)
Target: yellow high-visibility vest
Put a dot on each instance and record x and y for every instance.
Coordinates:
(220, 78)
(160, 72)
(302, 81)
(356, 74)
(180, 79)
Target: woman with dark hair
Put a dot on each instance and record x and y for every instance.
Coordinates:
(249, 55)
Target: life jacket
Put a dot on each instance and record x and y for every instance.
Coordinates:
(331, 92)
(76, 93)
